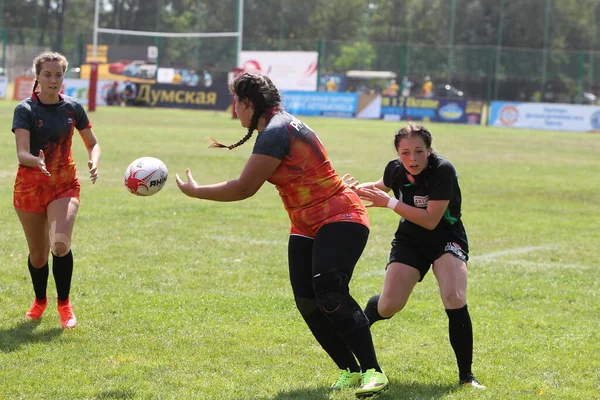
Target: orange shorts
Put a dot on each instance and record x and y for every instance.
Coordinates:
(34, 191)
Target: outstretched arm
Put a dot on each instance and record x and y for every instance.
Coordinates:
(256, 171)
(357, 186)
(427, 218)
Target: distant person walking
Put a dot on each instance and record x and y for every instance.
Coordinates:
(46, 191)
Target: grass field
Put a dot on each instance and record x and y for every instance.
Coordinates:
(186, 299)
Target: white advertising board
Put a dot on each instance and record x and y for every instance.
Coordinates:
(289, 70)
(547, 116)
(78, 88)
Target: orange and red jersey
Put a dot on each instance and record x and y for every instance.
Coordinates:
(51, 128)
(312, 192)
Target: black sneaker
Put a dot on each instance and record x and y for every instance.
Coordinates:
(470, 380)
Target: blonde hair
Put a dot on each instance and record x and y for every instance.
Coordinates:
(39, 61)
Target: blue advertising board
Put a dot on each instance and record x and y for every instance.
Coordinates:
(431, 109)
(322, 104)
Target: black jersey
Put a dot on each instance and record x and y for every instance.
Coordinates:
(51, 127)
(439, 181)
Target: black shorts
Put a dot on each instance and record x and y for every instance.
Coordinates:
(422, 256)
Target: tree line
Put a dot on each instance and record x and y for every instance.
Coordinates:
(462, 35)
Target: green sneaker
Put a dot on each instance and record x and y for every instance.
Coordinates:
(373, 383)
(347, 379)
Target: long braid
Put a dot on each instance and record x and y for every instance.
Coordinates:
(35, 83)
(263, 94)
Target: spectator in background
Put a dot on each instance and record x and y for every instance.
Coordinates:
(393, 88)
(406, 86)
(129, 93)
(177, 77)
(193, 78)
(428, 87)
(331, 86)
(207, 78)
(113, 97)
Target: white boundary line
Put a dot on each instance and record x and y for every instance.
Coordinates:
(510, 252)
(497, 254)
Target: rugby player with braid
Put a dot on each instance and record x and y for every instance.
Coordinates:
(329, 226)
(46, 192)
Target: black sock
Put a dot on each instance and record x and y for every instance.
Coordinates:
(331, 342)
(39, 278)
(361, 344)
(371, 310)
(461, 339)
(62, 269)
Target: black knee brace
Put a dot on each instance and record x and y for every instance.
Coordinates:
(334, 301)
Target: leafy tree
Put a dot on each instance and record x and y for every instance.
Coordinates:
(359, 55)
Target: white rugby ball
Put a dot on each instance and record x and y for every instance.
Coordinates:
(146, 176)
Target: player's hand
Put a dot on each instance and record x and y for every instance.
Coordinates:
(41, 163)
(186, 187)
(350, 181)
(375, 196)
(93, 168)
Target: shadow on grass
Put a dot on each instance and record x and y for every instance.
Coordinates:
(413, 390)
(13, 339)
(397, 390)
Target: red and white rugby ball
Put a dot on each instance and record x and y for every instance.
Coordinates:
(146, 176)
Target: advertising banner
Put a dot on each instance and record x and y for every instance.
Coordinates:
(216, 97)
(153, 95)
(547, 116)
(369, 106)
(3, 86)
(323, 104)
(22, 88)
(135, 71)
(396, 108)
(79, 89)
(289, 70)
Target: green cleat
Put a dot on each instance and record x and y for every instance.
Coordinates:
(346, 380)
(373, 383)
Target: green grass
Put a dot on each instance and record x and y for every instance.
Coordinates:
(185, 299)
